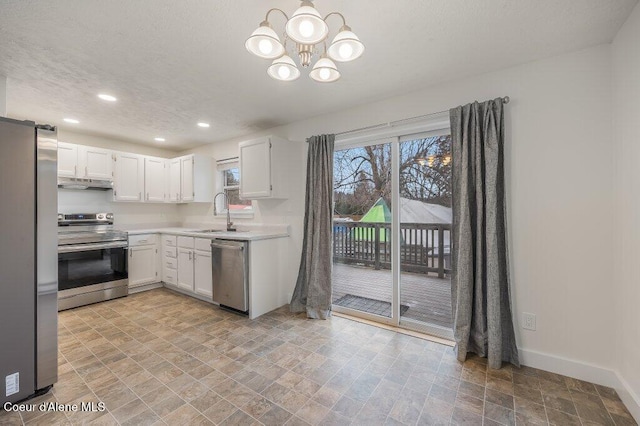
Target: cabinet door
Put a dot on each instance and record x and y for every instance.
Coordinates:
(255, 169)
(202, 273)
(186, 167)
(94, 163)
(185, 269)
(128, 177)
(142, 265)
(174, 180)
(67, 159)
(154, 179)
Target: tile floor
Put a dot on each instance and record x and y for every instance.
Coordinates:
(163, 358)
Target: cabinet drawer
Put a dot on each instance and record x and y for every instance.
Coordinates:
(170, 262)
(203, 244)
(169, 240)
(170, 276)
(170, 252)
(186, 242)
(142, 240)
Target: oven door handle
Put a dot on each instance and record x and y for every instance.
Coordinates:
(89, 247)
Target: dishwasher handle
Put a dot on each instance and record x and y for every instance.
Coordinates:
(227, 247)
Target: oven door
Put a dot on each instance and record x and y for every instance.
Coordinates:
(84, 265)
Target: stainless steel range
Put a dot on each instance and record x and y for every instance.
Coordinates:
(92, 260)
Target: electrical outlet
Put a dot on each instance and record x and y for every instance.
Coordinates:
(529, 321)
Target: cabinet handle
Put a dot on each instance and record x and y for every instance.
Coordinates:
(190, 253)
(86, 172)
(142, 241)
(147, 196)
(75, 170)
(130, 253)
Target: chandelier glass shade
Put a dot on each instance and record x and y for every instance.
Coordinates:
(283, 68)
(306, 26)
(264, 42)
(325, 71)
(305, 36)
(346, 46)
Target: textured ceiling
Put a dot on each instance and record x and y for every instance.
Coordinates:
(173, 63)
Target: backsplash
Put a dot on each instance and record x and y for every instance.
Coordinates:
(87, 201)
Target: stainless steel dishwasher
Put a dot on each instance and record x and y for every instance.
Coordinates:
(230, 263)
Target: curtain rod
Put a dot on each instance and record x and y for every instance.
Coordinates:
(505, 100)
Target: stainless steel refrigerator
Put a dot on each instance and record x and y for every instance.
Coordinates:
(28, 259)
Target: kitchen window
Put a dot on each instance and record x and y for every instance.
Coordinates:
(229, 176)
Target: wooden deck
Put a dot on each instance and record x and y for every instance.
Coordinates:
(428, 297)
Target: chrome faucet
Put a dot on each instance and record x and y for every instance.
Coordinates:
(230, 227)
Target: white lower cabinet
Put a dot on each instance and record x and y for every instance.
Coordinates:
(187, 264)
(185, 269)
(143, 264)
(169, 259)
(202, 274)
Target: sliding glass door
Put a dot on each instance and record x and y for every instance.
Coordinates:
(425, 231)
(362, 277)
(391, 231)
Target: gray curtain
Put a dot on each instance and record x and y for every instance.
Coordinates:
(313, 287)
(480, 276)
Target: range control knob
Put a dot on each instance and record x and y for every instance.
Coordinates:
(110, 216)
(60, 217)
(100, 216)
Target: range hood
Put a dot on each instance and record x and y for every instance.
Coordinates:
(75, 183)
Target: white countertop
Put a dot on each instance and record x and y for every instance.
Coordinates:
(242, 235)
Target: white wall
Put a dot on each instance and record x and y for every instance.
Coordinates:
(559, 172)
(3, 96)
(127, 215)
(626, 244)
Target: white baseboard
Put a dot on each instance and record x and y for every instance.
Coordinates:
(629, 397)
(141, 288)
(584, 371)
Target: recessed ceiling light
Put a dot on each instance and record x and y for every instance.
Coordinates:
(159, 139)
(106, 97)
(71, 120)
(204, 125)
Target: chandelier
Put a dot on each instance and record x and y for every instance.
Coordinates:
(306, 32)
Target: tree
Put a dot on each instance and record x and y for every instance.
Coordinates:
(362, 175)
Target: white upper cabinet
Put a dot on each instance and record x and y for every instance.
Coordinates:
(94, 163)
(266, 167)
(128, 177)
(175, 180)
(154, 179)
(139, 178)
(191, 179)
(67, 159)
(186, 164)
(85, 162)
(255, 169)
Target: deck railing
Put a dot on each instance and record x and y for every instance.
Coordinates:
(424, 247)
